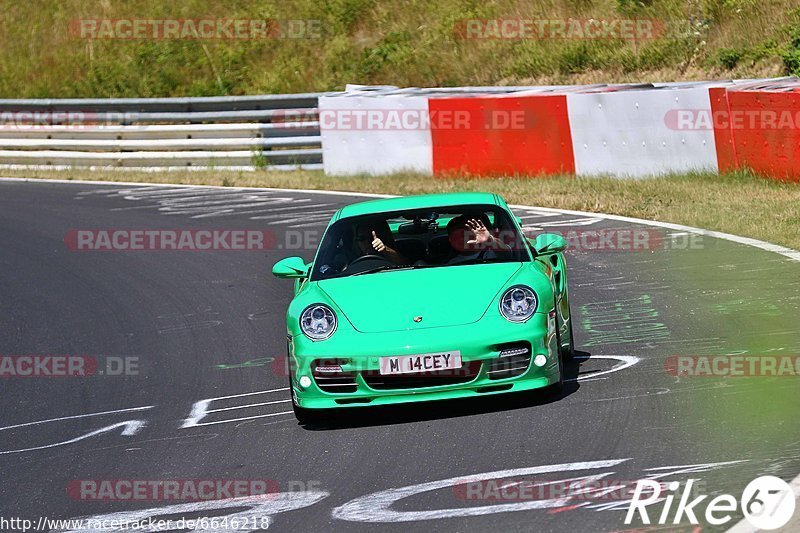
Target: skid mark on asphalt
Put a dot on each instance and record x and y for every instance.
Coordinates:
(264, 315)
(721, 389)
(201, 319)
(272, 207)
(276, 207)
(252, 363)
(630, 320)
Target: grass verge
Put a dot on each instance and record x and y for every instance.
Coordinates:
(740, 203)
(68, 48)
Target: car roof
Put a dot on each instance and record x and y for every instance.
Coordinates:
(424, 201)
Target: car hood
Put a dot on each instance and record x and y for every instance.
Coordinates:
(442, 296)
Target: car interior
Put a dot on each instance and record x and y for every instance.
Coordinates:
(419, 236)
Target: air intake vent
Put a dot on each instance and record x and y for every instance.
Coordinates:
(330, 377)
(513, 361)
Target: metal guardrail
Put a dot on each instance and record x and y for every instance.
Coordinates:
(275, 131)
(200, 103)
(243, 132)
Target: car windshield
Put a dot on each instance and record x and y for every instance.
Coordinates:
(421, 238)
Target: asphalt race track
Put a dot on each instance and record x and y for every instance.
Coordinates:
(206, 398)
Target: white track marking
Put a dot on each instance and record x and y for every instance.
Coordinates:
(77, 416)
(661, 472)
(266, 210)
(249, 519)
(789, 253)
(532, 213)
(306, 220)
(240, 419)
(587, 221)
(627, 361)
(794, 255)
(131, 427)
(203, 201)
(200, 409)
(249, 394)
(376, 507)
(244, 406)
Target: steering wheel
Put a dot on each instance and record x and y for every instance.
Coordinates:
(367, 257)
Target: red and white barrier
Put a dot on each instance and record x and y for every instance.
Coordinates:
(375, 135)
(625, 131)
(504, 135)
(759, 130)
(630, 133)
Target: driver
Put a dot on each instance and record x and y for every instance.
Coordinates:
(373, 237)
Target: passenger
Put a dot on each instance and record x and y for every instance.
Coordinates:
(471, 240)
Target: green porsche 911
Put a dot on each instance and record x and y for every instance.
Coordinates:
(423, 298)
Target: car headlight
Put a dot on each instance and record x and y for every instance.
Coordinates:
(318, 322)
(518, 303)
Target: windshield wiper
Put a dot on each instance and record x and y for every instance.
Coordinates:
(376, 269)
(384, 268)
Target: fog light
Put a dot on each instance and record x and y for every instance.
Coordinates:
(305, 381)
(540, 360)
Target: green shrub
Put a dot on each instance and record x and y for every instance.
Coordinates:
(729, 57)
(791, 61)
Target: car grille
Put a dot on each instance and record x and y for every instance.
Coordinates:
(337, 383)
(508, 367)
(465, 374)
(329, 376)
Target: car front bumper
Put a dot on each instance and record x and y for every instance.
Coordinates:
(479, 345)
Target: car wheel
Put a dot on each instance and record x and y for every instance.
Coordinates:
(569, 353)
(559, 386)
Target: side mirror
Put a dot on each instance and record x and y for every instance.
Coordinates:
(290, 268)
(549, 243)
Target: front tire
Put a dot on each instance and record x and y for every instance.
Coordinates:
(558, 387)
(569, 353)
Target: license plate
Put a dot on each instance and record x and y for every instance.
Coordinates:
(426, 362)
